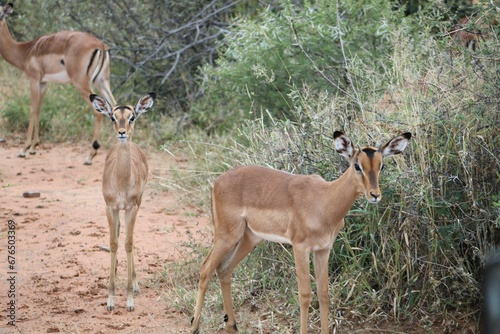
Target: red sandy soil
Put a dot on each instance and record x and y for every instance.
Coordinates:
(61, 271)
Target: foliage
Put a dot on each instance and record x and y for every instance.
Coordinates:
(268, 57)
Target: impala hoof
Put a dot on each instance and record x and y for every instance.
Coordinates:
(88, 161)
(22, 154)
(111, 303)
(130, 304)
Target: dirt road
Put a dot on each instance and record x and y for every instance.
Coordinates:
(60, 272)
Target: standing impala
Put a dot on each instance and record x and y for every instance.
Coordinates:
(125, 175)
(251, 204)
(65, 57)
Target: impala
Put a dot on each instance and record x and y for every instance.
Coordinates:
(65, 57)
(251, 204)
(467, 37)
(124, 177)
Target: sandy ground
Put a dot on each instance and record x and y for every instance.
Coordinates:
(59, 270)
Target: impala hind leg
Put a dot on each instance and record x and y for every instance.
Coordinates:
(219, 251)
(114, 232)
(85, 90)
(98, 117)
(225, 270)
(132, 286)
(102, 84)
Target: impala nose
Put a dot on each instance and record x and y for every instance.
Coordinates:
(122, 135)
(376, 197)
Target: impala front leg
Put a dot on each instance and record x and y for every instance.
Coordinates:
(42, 88)
(114, 232)
(304, 282)
(32, 135)
(321, 274)
(132, 286)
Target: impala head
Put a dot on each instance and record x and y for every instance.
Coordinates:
(5, 10)
(367, 162)
(123, 116)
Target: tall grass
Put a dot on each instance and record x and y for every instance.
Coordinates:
(418, 256)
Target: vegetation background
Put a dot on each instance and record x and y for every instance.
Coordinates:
(268, 82)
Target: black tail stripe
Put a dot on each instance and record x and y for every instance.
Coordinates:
(104, 55)
(91, 61)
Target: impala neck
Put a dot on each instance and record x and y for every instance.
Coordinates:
(345, 188)
(123, 162)
(12, 51)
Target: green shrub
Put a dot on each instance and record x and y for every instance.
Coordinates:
(266, 58)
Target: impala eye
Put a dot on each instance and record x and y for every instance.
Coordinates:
(131, 119)
(357, 168)
(113, 119)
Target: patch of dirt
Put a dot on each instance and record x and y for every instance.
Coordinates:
(61, 269)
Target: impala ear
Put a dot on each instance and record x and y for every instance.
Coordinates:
(7, 9)
(343, 144)
(101, 105)
(145, 103)
(396, 145)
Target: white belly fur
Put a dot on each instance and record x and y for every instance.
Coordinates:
(59, 77)
(271, 237)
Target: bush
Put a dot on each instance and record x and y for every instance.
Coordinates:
(268, 57)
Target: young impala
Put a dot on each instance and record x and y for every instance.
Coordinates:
(65, 57)
(251, 204)
(125, 175)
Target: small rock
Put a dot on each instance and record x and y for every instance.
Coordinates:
(31, 194)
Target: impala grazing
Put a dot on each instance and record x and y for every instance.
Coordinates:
(65, 57)
(125, 175)
(251, 204)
